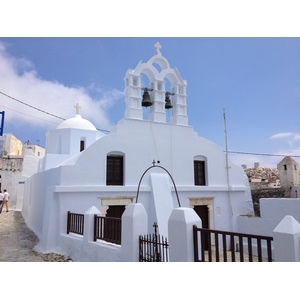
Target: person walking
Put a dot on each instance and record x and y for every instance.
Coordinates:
(5, 200)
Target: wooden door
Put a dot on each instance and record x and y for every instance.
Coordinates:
(115, 211)
(202, 212)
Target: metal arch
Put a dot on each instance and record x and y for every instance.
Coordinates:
(154, 166)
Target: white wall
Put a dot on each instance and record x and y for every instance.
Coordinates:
(272, 211)
(78, 183)
(14, 171)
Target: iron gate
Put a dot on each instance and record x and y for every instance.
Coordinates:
(153, 247)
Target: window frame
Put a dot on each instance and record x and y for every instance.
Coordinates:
(200, 167)
(82, 145)
(115, 169)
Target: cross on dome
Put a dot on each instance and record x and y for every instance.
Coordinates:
(77, 108)
(157, 46)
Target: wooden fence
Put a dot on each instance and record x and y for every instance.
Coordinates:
(75, 223)
(108, 229)
(217, 245)
(105, 228)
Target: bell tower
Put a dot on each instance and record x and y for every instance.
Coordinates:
(156, 96)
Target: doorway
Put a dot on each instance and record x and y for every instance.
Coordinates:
(203, 212)
(115, 211)
(112, 229)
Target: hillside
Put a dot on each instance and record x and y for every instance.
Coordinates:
(265, 174)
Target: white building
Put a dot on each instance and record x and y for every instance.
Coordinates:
(17, 163)
(288, 173)
(107, 173)
(70, 138)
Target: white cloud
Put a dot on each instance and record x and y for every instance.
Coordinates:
(290, 138)
(282, 135)
(20, 80)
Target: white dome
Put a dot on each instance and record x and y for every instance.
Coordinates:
(77, 122)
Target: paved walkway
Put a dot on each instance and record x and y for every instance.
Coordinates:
(17, 241)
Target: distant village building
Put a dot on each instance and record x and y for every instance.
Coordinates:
(17, 163)
(280, 182)
(262, 177)
(286, 175)
(289, 174)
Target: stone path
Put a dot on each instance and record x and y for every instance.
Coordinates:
(17, 241)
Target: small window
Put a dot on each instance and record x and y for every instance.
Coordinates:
(199, 172)
(285, 167)
(82, 145)
(114, 170)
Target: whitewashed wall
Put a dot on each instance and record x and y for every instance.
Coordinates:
(272, 211)
(77, 184)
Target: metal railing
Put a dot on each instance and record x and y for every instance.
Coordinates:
(108, 229)
(217, 245)
(75, 223)
(153, 247)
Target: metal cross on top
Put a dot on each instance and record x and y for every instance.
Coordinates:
(77, 108)
(157, 46)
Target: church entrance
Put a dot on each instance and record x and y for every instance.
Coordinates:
(115, 211)
(204, 208)
(111, 227)
(113, 207)
(202, 212)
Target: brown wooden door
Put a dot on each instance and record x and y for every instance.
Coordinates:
(115, 211)
(202, 212)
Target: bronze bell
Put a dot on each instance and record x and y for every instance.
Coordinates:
(168, 104)
(146, 101)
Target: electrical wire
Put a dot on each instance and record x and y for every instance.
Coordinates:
(40, 110)
(33, 107)
(28, 115)
(107, 131)
(262, 154)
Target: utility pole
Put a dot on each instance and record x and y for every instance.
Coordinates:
(227, 161)
(225, 134)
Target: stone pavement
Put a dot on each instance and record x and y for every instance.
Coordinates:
(17, 241)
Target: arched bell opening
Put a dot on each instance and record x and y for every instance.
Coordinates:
(169, 93)
(147, 98)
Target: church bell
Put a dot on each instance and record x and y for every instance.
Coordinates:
(146, 101)
(168, 104)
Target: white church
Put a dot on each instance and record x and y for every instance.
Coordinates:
(83, 168)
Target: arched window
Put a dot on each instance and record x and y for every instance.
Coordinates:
(115, 169)
(200, 170)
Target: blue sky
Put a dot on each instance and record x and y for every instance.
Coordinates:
(243, 57)
(230, 56)
(256, 81)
